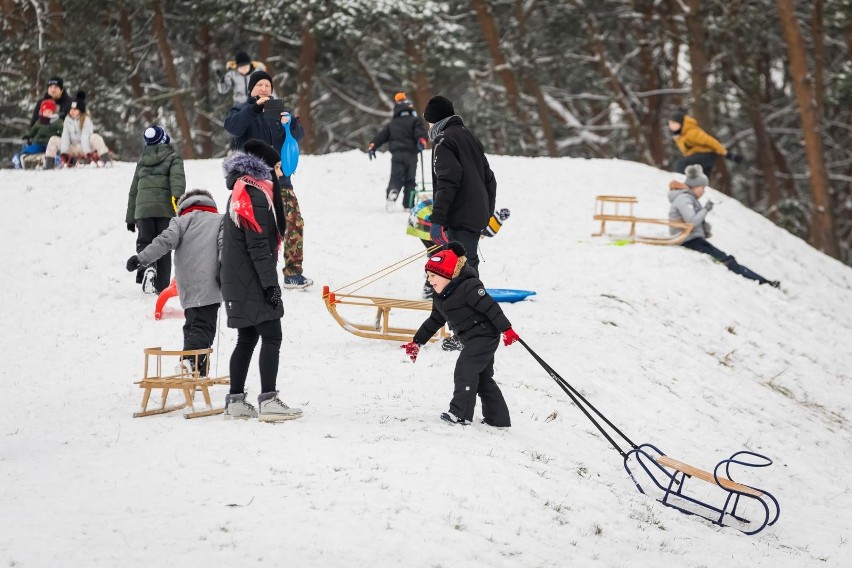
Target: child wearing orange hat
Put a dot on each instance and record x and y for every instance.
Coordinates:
(460, 299)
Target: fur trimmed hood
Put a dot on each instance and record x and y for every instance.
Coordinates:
(241, 164)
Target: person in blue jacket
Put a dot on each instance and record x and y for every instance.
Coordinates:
(247, 121)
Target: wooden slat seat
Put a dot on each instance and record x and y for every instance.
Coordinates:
(692, 471)
(617, 216)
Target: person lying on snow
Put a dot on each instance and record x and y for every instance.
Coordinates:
(460, 299)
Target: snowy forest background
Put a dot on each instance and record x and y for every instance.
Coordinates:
(771, 79)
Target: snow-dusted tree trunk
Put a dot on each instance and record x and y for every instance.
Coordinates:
(305, 85)
(133, 71)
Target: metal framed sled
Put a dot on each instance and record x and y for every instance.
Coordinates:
(380, 328)
(668, 476)
(185, 382)
(618, 216)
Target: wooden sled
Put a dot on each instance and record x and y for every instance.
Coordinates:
(617, 215)
(656, 466)
(380, 328)
(185, 382)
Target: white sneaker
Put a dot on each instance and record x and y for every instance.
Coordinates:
(148, 280)
(273, 409)
(390, 204)
(236, 408)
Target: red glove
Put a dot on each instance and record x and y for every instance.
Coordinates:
(411, 349)
(65, 159)
(509, 337)
(421, 144)
(93, 157)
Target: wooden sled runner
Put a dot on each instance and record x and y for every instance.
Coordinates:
(380, 328)
(620, 216)
(185, 382)
(656, 466)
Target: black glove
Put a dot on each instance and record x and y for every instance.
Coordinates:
(709, 206)
(273, 295)
(254, 106)
(132, 263)
(131, 227)
(221, 74)
(734, 157)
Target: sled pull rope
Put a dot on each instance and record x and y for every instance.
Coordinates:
(388, 269)
(574, 395)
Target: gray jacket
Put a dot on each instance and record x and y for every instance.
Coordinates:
(686, 208)
(196, 239)
(238, 83)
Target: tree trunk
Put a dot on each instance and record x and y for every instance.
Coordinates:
(818, 39)
(305, 86)
(702, 108)
(171, 77)
(264, 51)
(414, 49)
(135, 83)
(823, 235)
(653, 123)
(202, 73)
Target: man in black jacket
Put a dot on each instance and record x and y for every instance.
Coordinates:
(405, 135)
(464, 185)
(56, 93)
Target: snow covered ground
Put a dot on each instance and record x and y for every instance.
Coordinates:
(671, 346)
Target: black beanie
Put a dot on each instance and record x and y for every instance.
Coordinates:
(242, 58)
(438, 108)
(56, 81)
(678, 117)
(258, 76)
(80, 101)
(263, 151)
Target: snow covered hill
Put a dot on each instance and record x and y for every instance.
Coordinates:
(671, 346)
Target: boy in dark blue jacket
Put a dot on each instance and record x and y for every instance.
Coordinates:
(460, 299)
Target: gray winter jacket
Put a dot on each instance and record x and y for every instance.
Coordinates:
(686, 208)
(238, 83)
(196, 239)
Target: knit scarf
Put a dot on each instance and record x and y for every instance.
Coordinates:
(198, 208)
(241, 209)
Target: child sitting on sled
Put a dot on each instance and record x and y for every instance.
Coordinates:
(195, 237)
(460, 299)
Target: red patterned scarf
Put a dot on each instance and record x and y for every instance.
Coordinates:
(241, 207)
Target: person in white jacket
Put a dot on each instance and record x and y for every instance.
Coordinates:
(79, 141)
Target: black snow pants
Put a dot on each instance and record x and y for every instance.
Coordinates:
(705, 159)
(470, 240)
(148, 229)
(199, 331)
(270, 335)
(403, 176)
(475, 375)
(702, 245)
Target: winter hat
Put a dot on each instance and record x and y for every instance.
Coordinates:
(678, 117)
(194, 193)
(438, 108)
(47, 104)
(242, 58)
(263, 151)
(399, 97)
(448, 262)
(156, 134)
(79, 101)
(56, 81)
(258, 76)
(695, 176)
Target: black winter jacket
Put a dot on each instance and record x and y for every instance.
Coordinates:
(244, 122)
(403, 131)
(248, 263)
(467, 307)
(63, 105)
(464, 185)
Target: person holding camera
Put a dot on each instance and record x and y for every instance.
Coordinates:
(263, 117)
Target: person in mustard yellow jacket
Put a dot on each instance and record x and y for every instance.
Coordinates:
(697, 146)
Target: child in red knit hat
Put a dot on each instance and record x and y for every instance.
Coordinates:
(461, 301)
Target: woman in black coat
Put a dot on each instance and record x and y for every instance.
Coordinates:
(251, 237)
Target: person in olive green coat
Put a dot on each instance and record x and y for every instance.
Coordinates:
(157, 184)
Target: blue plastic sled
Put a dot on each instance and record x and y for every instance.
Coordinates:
(508, 295)
(289, 153)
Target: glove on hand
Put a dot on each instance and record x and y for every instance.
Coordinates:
(411, 349)
(93, 157)
(221, 74)
(273, 295)
(254, 106)
(371, 151)
(709, 206)
(133, 263)
(509, 337)
(734, 157)
(438, 234)
(131, 227)
(421, 144)
(503, 214)
(65, 159)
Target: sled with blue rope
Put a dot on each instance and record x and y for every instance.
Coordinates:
(665, 477)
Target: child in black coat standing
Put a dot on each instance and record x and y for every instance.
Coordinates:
(460, 299)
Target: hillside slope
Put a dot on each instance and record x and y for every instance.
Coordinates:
(671, 346)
